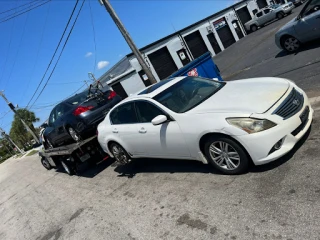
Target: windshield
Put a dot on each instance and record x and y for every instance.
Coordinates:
(275, 6)
(188, 93)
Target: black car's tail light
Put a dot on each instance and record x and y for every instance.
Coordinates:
(81, 109)
(112, 95)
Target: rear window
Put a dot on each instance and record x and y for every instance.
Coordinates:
(78, 98)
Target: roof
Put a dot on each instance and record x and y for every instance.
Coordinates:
(190, 26)
(119, 68)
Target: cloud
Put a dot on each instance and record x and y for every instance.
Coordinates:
(120, 55)
(88, 54)
(102, 64)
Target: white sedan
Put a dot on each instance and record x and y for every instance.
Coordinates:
(226, 124)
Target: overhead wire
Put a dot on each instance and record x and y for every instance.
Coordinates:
(66, 41)
(17, 15)
(37, 54)
(19, 46)
(54, 54)
(9, 10)
(94, 39)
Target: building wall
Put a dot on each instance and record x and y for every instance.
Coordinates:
(132, 83)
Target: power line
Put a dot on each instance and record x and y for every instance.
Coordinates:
(38, 51)
(94, 40)
(28, 10)
(9, 10)
(66, 41)
(54, 54)
(15, 59)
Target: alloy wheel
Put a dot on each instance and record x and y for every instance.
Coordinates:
(119, 154)
(49, 144)
(291, 44)
(73, 134)
(65, 167)
(224, 155)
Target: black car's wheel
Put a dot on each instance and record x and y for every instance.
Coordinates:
(290, 44)
(119, 153)
(253, 28)
(75, 136)
(226, 155)
(47, 144)
(280, 15)
(45, 163)
(66, 166)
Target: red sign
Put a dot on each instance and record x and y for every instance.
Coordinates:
(193, 73)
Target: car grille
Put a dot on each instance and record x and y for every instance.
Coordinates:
(291, 105)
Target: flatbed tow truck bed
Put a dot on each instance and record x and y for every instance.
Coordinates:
(73, 155)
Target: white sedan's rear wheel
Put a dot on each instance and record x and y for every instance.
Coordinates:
(119, 153)
(226, 155)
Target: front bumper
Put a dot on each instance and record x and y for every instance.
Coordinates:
(259, 145)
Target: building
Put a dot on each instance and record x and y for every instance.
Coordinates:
(165, 56)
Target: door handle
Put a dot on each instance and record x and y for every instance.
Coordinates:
(115, 130)
(142, 130)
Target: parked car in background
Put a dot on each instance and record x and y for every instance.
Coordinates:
(305, 27)
(297, 2)
(227, 124)
(268, 14)
(77, 117)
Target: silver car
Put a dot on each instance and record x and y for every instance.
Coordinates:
(305, 27)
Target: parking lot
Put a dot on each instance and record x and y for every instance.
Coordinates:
(171, 199)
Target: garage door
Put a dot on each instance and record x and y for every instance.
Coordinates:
(213, 41)
(162, 62)
(244, 15)
(224, 32)
(196, 44)
(262, 3)
(119, 90)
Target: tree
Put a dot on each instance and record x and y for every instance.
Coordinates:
(18, 132)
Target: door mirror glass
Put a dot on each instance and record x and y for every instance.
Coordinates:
(159, 119)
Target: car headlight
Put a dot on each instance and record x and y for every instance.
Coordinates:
(251, 125)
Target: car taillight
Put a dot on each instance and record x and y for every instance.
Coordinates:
(81, 109)
(112, 95)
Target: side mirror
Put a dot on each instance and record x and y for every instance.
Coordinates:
(45, 125)
(159, 119)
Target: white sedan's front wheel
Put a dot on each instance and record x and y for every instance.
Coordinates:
(226, 155)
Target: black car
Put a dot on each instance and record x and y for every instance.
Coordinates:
(78, 117)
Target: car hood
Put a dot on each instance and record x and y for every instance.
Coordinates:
(254, 95)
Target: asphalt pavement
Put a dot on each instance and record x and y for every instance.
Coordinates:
(257, 55)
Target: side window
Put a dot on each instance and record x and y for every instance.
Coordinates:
(266, 11)
(124, 114)
(52, 117)
(60, 111)
(259, 14)
(313, 6)
(147, 111)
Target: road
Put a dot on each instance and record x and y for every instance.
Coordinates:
(256, 55)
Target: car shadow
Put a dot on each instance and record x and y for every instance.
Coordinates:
(308, 46)
(172, 166)
(282, 160)
(186, 166)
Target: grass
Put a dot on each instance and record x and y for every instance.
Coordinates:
(32, 152)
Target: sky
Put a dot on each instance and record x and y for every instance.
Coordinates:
(27, 44)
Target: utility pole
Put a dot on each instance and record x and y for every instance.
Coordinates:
(4, 135)
(23, 122)
(130, 42)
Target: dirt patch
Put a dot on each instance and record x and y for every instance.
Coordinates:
(192, 223)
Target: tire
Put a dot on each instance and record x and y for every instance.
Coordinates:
(67, 168)
(75, 136)
(253, 28)
(119, 153)
(45, 163)
(231, 160)
(280, 15)
(290, 44)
